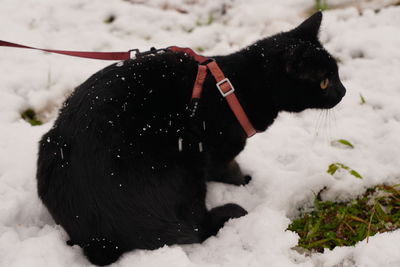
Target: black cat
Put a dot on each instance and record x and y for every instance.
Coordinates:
(122, 168)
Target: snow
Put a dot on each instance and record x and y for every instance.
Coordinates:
(288, 162)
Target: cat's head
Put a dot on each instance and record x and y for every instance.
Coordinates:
(308, 75)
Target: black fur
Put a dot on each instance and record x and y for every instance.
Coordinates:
(110, 171)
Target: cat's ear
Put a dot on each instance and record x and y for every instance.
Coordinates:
(309, 29)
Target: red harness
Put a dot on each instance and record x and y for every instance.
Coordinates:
(204, 63)
(224, 86)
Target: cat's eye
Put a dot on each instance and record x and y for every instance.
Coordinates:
(324, 84)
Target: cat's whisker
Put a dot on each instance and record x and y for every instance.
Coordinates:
(316, 125)
(324, 125)
(328, 114)
(334, 118)
(333, 124)
(318, 122)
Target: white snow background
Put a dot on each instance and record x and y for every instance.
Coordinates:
(288, 162)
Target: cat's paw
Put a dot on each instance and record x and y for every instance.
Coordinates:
(219, 215)
(235, 211)
(101, 251)
(228, 211)
(71, 243)
(247, 179)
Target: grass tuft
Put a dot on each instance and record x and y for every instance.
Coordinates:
(362, 100)
(30, 116)
(200, 49)
(340, 166)
(333, 224)
(321, 5)
(109, 19)
(205, 22)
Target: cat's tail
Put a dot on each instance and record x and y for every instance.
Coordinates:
(101, 251)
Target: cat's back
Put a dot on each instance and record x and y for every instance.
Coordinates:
(133, 89)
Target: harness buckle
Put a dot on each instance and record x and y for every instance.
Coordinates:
(134, 53)
(230, 90)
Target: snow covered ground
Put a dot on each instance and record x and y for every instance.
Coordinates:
(288, 162)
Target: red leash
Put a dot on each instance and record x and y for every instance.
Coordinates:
(224, 86)
(92, 55)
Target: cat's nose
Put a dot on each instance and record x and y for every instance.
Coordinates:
(340, 89)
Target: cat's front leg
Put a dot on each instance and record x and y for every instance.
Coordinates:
(229, 173)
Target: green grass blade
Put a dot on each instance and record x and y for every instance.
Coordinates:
(362, 100)
(346, 143)
(332, 168)
(355, 174)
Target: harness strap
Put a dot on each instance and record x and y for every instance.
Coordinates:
(228, 91)
(198, 58)
(223, 84)
(198, 84)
